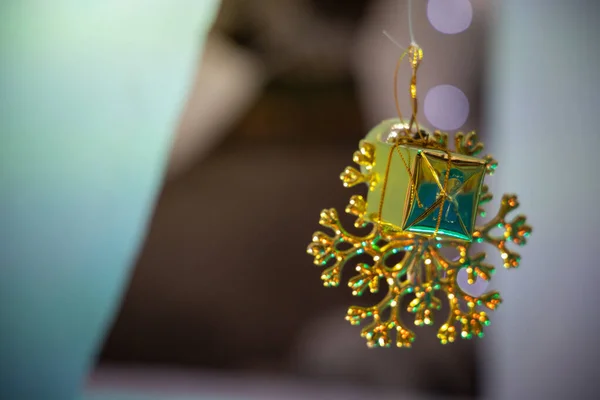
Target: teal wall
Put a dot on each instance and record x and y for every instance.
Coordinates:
(90, 95)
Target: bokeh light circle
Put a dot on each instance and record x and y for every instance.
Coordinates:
(446, 107)
(450, 16)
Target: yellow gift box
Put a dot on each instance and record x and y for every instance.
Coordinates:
(420, 189)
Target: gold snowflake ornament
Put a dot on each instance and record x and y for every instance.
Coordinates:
(422, 200)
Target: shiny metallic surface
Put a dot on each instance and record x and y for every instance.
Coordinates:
(423, 272)
(416, 197)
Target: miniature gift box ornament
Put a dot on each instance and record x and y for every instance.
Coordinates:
(423, 190)
(423, 198)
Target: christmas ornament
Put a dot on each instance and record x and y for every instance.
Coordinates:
(423, 199)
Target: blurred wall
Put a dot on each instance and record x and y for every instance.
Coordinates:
(545, 98)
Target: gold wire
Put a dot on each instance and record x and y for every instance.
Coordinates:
(396, 71)
(416, 54)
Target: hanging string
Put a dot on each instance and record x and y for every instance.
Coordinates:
(393, 41)
(410, 27)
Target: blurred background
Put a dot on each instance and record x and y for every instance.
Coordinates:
(223, 302)
(283, 93)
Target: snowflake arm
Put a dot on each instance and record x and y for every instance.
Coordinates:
(377, 333)
(325, 247)
(365, 157)
(469, 144)
(515, 231)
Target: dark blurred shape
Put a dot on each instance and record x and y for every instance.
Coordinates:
(293, 111)
(349, 10)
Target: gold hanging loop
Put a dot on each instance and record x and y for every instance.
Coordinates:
(415, 57)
